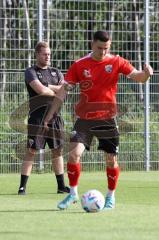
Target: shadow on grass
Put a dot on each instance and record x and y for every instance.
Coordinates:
(29, 210)
(16, 194)
(144, 187)
(70, 211)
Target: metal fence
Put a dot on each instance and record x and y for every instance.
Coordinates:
(68, 25)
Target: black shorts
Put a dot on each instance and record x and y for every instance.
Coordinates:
(106, 132)
(38, 136)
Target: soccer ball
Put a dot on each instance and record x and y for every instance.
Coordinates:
(92, 201)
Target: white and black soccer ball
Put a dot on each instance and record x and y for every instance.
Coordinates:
(92, 201)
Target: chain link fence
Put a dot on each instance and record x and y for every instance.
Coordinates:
(69, 25)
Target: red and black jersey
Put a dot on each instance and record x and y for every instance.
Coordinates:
(98, 84)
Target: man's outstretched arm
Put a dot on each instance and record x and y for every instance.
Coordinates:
(141, 76)
(57, 102)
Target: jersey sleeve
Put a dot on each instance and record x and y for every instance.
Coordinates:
(71, 75)
(125, 67)
(30, 75)
(61, 77)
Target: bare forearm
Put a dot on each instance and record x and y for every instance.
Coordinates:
(40, 89)
(57, 102)
(47, 92)
(54, 88)
(142, 76)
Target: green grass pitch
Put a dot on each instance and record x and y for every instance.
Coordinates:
(35, 216)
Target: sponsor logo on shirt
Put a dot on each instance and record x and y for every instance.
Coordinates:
(87, 73)
(86, 84)
(108, 68)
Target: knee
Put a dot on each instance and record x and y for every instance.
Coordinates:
(111, 160)
(76, 150)
(31, 152)
(74, 157)
(56, 153)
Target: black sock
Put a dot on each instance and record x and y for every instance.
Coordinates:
(23, 181)
(60, 181)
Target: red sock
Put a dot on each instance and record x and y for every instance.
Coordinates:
(112, 175)
(73, 171)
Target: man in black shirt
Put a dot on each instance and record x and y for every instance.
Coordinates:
(43, 82)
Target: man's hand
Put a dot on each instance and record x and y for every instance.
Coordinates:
(148, 70)
(46, 122)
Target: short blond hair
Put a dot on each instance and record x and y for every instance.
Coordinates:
(40, 45)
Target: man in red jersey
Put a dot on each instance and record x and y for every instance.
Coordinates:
(97, 74)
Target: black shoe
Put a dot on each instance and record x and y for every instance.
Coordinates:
(21, 191)
(63, 190)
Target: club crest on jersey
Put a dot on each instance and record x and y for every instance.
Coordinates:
(108, 68)
(39, 74)
(87, 73)
(53, 74)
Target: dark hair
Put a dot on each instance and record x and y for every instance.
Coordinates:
(102, 36)
(40, 45)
